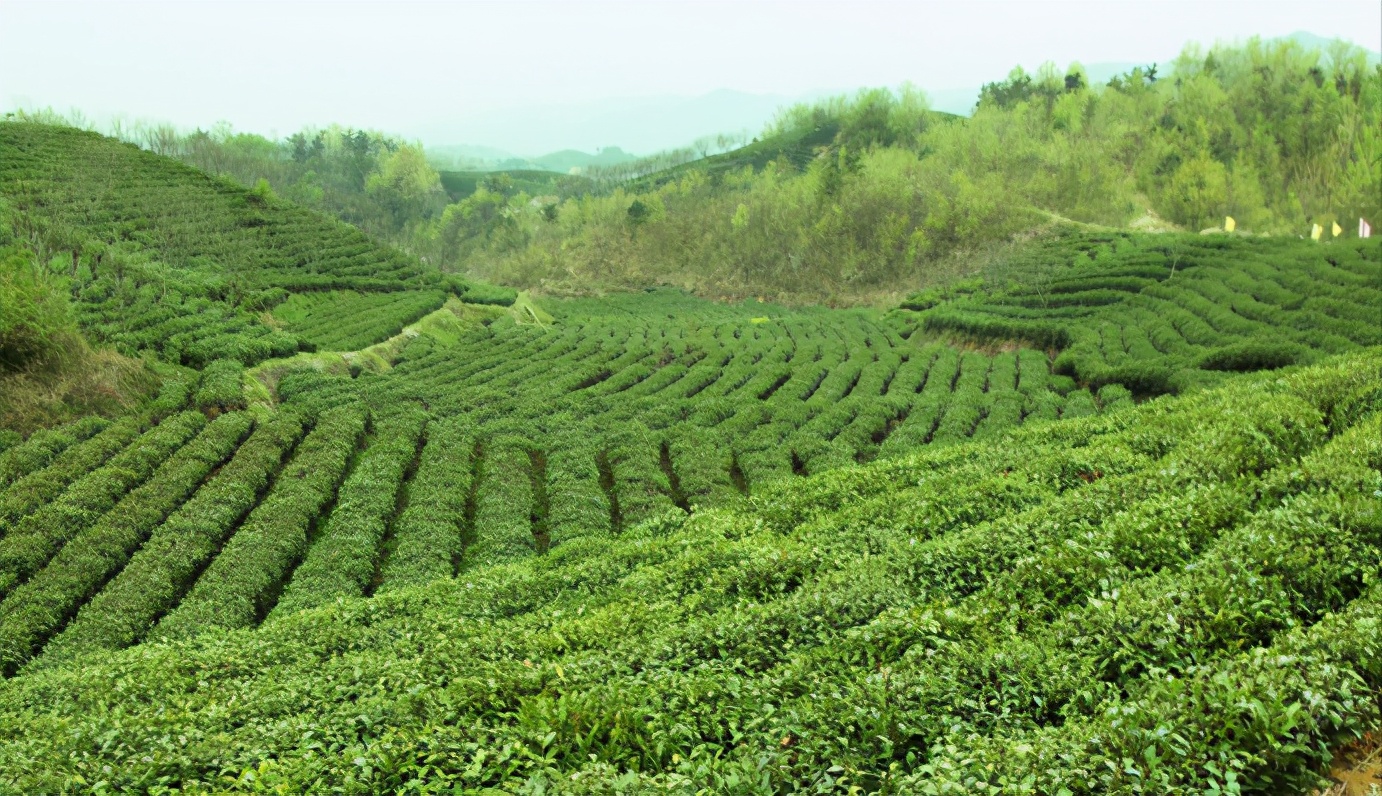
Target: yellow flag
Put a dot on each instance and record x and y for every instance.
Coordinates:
(1229, 224)
(1338, 230)
(1315, 231)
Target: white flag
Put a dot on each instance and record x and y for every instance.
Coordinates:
(1364, 229)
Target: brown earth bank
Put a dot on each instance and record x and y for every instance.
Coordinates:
(1357, 769)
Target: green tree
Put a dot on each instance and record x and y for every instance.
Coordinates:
(405, 184)
(499, 183)
(1198, 193)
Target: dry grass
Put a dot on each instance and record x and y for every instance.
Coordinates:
(79, 381)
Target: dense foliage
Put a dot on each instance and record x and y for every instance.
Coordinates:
(158, 256)
(650, 543)
(35, 320)
(221, 386)
(49, 375)
(1159, 313)
(871, 195)
(1169, 599)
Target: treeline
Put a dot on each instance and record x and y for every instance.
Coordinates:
(1275, 135)
(379, 183)
(873, 193)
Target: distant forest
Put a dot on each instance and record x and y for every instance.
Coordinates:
(873, 194)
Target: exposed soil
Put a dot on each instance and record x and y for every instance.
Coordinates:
(1357, 769)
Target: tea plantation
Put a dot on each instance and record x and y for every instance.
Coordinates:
(1161, 313)
(1107, 520)
(164, 258)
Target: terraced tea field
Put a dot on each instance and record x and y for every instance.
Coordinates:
(650, 543)
(626, 409)
(679, 402)
(1162, 313)
(167, 259)
(346, 320)
(1121, 588)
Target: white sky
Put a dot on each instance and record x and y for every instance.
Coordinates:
(407, 67)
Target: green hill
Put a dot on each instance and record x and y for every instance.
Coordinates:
(368, 539)
(1183, 589)
(1161, 313)
(865, 198)
(568, 159)
(796, 146)
(162, 257)
(860, 200)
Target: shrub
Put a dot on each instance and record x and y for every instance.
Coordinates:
(1252, 355)
(162, 571)
(37, 537)
(24, 457)
(243, 583)
(431, 530)
(478, 293)
(36, 609)
(342, 559)
(221, 386)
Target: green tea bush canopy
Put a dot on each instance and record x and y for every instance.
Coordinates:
(162, 257)
(1157, 313)
(1175, 597)
(1105, 516)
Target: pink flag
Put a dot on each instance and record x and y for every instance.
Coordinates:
(1364, 229)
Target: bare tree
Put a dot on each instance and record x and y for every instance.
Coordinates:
(724, 142)
(166, 140)
(79, 120)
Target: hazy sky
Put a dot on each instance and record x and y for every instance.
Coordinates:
(428, 68)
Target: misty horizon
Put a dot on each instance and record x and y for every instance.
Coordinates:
(531, 91)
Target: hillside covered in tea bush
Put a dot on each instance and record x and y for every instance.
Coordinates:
(867, 197)
(1170, 598)
(1103, 516)
(158, 256)
(1163, 313)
